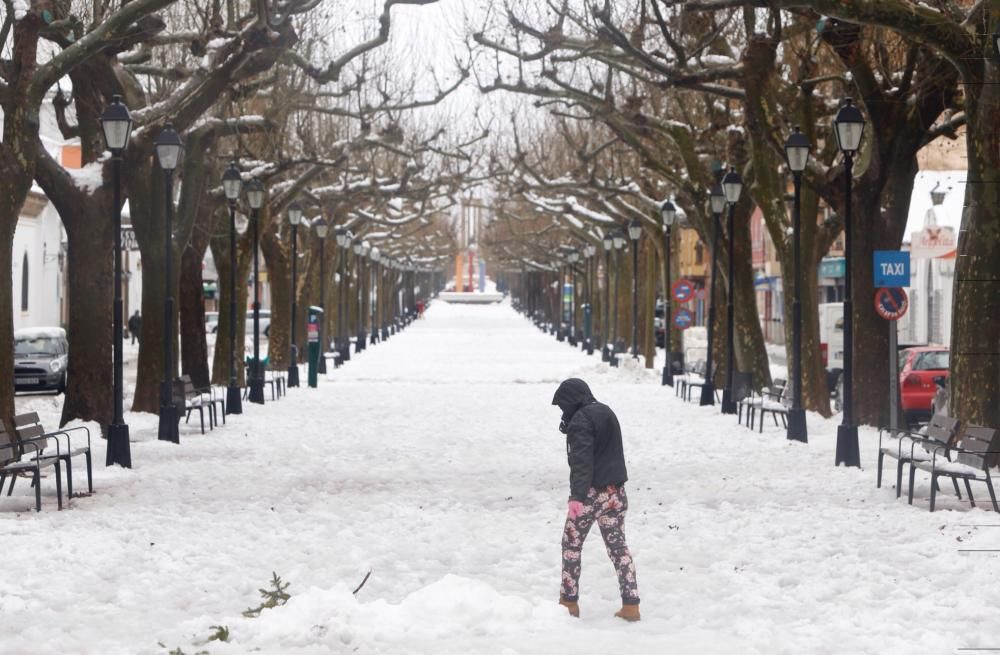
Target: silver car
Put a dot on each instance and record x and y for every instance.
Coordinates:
(40, 359)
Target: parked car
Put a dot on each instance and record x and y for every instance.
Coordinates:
(917, 369)
(212, 322)
(40, 359)
(659, 326)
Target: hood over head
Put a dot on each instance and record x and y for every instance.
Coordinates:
(571, 395)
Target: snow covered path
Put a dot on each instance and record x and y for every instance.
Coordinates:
(434, 459)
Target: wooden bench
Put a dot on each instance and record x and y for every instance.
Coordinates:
(209, 396)
(194, 401)
(906, 446)
(29, 427)
(976, 454)
(19, 456)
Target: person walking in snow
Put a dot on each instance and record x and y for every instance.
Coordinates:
(597, 493)
(134, 325)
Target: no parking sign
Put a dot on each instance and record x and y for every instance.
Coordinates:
(683, 319)
(683, 290)
(891, 303)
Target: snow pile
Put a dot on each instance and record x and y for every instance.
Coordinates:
(434, 458)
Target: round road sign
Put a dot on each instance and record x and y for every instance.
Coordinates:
(683, 290)
(891, 303)
(683, 319)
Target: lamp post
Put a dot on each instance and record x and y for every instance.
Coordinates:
(618, 238)
(116, 123)
(255, 198)
(322, 228)
(797, 154)
(231, 183)
(607, 242)
(732, 187)
(572, 257)
(849, 126)
(635, 233)
(358, 247)
(717, 202)
(168, 152)
(374, 294)
(295, 218)
(342, 242)
(668, 212)
(589, 252)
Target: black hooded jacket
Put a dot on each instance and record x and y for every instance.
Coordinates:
(593, 439)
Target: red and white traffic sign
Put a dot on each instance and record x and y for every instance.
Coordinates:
(891, 303)
(682, 290)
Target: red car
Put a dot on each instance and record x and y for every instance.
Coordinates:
(917, 369)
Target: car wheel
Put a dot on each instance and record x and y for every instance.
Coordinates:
(61, 389)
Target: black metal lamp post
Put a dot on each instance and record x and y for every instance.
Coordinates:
(589, 251)
(116, 123)
(322, 228)
(635, 233)
(255, 198)
(295, 218)
(572, 257)
(732, 187)
(359, 248)
(618, 239)
(343, 242)
(231, 183)
(374, 296)
(717, 202)
(668, 212)
(606, 332)
(849, 126)
(797, 154)
(168, 152)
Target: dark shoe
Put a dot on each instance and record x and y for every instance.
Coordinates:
(628, 612)
(571, 605)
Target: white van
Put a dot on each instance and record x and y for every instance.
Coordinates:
(831, 341)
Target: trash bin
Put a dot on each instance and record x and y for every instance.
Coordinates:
(331, 364)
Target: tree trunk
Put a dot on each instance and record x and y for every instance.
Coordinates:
(191, 300)
(219, 243)
(277, 260)
(975, 333)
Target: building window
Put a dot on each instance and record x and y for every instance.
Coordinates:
(24, 283)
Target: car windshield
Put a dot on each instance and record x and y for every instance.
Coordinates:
(37, 346)
(936, 360)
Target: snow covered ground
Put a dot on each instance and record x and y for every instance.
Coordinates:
(434, 459)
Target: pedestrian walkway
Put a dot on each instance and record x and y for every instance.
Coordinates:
(434, 459)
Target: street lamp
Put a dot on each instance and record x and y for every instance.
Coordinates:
(717, 202)
(668, 212)
(608, 244)
(618, 239)
(322, 227)
(342, 342)
(359, 261)
(732, 187)
(572, 257)
(295, 219)
(168, 151)
(634, 233)
(231, 183)
(849, 126)
(797, 154)
(589, 251)
(255, 198)
(116, 122)
(374, 296)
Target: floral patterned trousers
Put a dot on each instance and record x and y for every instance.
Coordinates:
(607, 507)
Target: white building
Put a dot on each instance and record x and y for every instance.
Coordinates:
(39, 262)
(932, 228)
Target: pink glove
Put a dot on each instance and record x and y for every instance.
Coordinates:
(575, 508)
